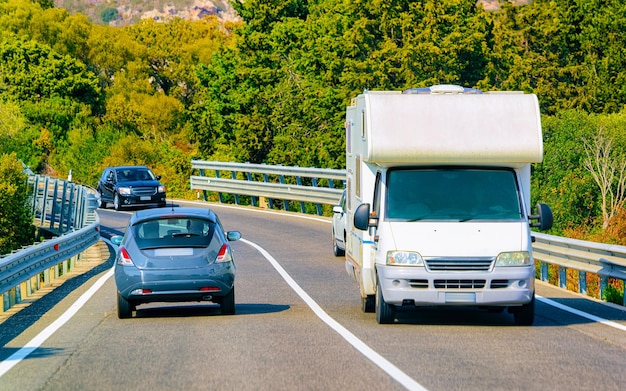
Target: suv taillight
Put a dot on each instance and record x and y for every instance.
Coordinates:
(224, 254)
(124, 258)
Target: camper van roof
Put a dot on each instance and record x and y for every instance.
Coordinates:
(451, 128)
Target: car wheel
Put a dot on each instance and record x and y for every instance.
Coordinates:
(368, 303)
(101, 203)
(116, 202)
(525, 315)
(385, 313)
(227, 305)
(336, 250)
(124, 308)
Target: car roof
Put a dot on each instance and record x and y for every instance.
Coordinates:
(127, 167)
(171, 212)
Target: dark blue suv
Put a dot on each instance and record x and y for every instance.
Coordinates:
(130, 185)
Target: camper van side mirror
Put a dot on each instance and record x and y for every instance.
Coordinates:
(362, 216)
(544, 217)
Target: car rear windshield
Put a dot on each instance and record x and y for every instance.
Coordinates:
(134, 174)
(174, 232)
(456, 194)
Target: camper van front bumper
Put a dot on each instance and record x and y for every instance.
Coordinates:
(501, 287)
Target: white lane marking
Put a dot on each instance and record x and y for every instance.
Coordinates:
(36, 342)
(368, 352)
(581, 313)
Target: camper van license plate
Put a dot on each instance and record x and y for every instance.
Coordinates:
(460, 297)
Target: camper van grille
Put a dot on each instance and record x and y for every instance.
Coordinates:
(459, 264)
(459, 284)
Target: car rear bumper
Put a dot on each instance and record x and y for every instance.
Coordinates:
(139, 286)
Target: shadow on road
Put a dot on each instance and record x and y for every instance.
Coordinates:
(13, 326)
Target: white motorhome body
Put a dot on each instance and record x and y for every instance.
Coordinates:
(438, 198)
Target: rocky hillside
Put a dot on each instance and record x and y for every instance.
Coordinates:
(123, 12)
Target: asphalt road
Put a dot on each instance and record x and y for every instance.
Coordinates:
(299, 327)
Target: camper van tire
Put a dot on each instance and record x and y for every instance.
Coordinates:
(385, 313)
(368, 303)
(525, 315)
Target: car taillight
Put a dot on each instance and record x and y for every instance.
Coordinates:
(224, 254)
(124, 258)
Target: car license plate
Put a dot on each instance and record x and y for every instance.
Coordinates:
(460, 297)
(145, 198)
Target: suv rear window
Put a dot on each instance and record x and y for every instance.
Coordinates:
(174, 232)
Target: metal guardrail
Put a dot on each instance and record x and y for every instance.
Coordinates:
(61, 208)
(271, 182)
(606, 261)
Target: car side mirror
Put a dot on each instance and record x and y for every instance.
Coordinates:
(544, 217)
(233, 236)
(157, 177)
(337, 209)
(116, 240)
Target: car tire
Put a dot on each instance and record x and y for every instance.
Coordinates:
(525, 315)
(385, 313)
(227, 305)
(336, 250)
(368, 303)
(116, 202)
(124, 308)
(101, 204)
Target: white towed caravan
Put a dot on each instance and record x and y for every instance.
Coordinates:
(438, 199)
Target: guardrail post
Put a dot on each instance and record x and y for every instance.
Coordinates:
(44, 201)
(6, 300)
(604, 282)
(582, 282)
(281, 179)
(46, 277)
(204, 192)
(562, 277)
(253, 199)
(318, 206)
(219, 195)
(270, 201)
(544, 271)
(302, 206)
(233, 175)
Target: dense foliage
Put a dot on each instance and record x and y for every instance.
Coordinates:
(16, 220)
(273, 89)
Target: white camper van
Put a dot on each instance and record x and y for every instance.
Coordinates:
(438, 199)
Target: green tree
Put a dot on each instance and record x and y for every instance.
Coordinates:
(16, 220)
(30, 71)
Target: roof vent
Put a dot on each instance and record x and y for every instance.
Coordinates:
(443, 89)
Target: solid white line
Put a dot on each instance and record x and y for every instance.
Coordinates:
(36, 342)
(368, 352)
(581, 313)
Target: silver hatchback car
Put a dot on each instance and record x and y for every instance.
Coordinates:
(174, 255)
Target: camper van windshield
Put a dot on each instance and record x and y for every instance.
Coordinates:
(457, 194)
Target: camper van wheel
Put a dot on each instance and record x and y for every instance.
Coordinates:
(385, 313)
(368, 303)
(525, 315)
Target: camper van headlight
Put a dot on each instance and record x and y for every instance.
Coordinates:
(404, 258)
(517, 258)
